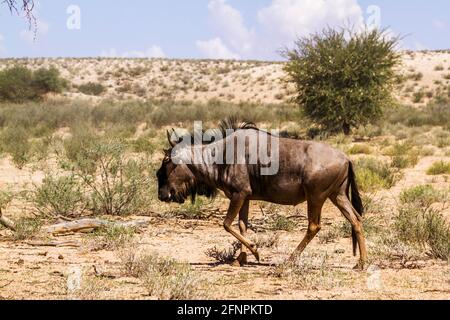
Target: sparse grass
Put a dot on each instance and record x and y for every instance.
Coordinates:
(164, 279)
(282, 223)
(27, 228)
(422, 196)
(360, 149)
(404, 155)
(373, 174)
(439, 168)
(311, 271)
(111, 237)
(92, 288)
(191, 211)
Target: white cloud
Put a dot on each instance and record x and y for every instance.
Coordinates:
(288, 19)
(230, 25)
(215, 49)
(35, 32)
(151, 52)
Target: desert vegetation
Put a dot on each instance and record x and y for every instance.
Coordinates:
(77, 150)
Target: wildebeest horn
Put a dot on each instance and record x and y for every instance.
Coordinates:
(169, 137)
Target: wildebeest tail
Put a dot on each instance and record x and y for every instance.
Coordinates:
(356, 201)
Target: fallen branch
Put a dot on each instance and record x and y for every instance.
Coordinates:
(71, 244)
(90, 224)
(6, 222)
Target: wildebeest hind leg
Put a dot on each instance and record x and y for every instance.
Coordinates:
(344, 204)
(237, 202)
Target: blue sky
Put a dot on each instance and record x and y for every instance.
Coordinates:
(239, 29)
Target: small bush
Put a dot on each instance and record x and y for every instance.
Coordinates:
(92, 89)
(419, 224)
(15, 141)
(60, 196)
(266, 240)
(373, 174)
(48, 80)
(425, 228)
(111, 237)
(418, 96)
(360, 149)
(438, 168)
(225, 255)
(27, 228)
(403, 155)
(117, 185)
(423, 196)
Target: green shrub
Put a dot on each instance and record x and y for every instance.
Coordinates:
(403, 155)
(427, 229)
(438, 168)
(111, 237)
(62, 196)
(418, 96)
(344, 79)
(283, 223)
(15, 141)
(118, 185)
(92, 89)
(48, 80)
(437, 113)
(16, 85)
(27, 228)
(423, 196)
(360, 149)
(19, 84)
(373, 174)
(418, 224)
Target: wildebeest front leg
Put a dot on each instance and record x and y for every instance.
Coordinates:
(314, 214)
(243, 223)
(238, 200)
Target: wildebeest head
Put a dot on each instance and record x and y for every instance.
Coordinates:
(176, 182)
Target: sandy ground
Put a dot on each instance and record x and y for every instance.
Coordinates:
(41, 272)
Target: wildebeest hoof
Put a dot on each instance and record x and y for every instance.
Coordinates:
(240, 261)
(256, 254)
(360, 266)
